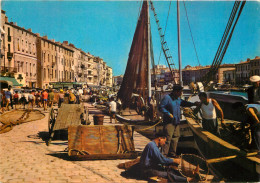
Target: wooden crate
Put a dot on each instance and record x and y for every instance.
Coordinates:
(101, 142)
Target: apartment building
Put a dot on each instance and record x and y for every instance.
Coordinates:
(25, 54)
(109, 77)
(38, 61)
(90, 67)
(7, 60)
(255, 66)
(242, 72)
(229, 76)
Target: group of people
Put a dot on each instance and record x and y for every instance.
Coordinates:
(152, 158)
(41, 98)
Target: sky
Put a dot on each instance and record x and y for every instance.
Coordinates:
(106, 28)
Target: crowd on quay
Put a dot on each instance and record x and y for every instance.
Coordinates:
(14, 99)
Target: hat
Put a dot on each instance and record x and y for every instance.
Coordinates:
(61, 90)
(177, 87)
(254, 78)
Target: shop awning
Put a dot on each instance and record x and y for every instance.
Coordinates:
(10, 80)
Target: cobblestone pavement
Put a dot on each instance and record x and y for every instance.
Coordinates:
(26, 158)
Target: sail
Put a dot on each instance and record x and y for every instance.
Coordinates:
(136, 74)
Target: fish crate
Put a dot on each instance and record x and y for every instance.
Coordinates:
(90, 142)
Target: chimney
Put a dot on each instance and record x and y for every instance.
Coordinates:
(257, 57)
(30, 30)
(6, 19)
(248, 59)
(45, 37)
(53, 40)
(11, 23)
(65, 42)
(38, 34)
(15, 23)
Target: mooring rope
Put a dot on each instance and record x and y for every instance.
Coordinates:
(143, 129)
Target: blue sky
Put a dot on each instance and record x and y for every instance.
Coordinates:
(106, 28)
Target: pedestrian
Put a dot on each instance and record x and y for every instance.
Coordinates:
(38, 98)
(253, 92)
(152, 162)
(1, 101)
(112, 109)
(23, 99)
(16, 99)
(208, 108)
(61, 98)
(45, 99)
(31, 99)
(72, 97)
(12, 92)
(51, 98)
(8, 95)
(171, 108)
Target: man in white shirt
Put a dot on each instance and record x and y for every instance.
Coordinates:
(208, 109)
(112, 109)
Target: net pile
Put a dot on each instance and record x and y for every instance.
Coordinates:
(193, 166)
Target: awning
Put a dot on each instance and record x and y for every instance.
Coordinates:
(11, 81)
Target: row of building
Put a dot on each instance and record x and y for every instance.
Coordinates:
(234, 74)
(36, 61)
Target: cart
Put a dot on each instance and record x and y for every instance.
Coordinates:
(68, 114)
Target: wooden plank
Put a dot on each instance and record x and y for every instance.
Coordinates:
(69, 114)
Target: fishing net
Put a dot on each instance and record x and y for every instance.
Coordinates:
(16, 117)
(193, 166)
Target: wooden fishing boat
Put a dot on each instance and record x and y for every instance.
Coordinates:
(231, 162)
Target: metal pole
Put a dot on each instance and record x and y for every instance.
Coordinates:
(179, 43)
(149, 54)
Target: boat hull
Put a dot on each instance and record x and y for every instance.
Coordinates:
(241, 168)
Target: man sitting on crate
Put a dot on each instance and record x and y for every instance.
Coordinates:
(153, 163)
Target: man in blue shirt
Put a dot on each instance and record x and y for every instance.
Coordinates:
(152, 161)
(171, 108)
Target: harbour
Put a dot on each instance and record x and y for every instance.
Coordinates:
(121, 99)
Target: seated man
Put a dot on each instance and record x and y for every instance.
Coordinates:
(152, 161)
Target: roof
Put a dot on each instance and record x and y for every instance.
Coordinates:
(10, 80)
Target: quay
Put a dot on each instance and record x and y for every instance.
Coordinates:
(25, 157)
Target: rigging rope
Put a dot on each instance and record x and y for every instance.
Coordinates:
(191, 32)
(165, 29)
(164, 45)
(224, 41)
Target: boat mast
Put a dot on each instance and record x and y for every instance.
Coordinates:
(149, 54)
(179, 43)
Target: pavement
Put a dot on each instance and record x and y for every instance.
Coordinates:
(25, 157)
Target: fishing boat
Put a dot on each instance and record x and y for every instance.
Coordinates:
(230, 157)
(139, 100)
(229, 160)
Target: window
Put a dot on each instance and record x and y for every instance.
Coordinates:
(44, 72)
